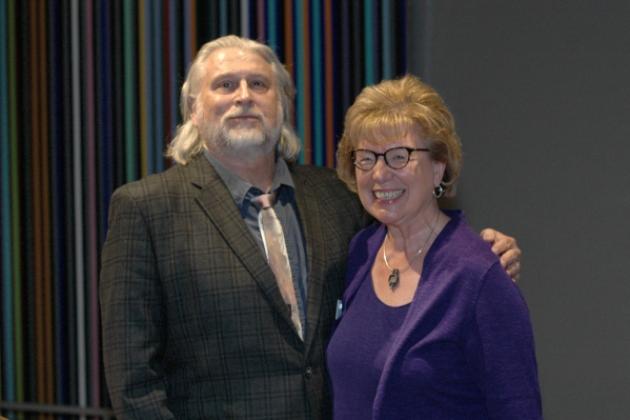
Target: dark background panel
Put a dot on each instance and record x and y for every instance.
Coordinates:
(540, 93)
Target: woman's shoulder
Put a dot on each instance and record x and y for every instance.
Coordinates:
(463, 242)
(460, 252)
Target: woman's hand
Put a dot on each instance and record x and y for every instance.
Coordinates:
(506, 248)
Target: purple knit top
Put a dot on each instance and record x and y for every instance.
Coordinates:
(358, 351)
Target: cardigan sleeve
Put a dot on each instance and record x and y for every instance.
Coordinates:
(500, 349)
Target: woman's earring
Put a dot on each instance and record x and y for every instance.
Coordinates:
(438, 191)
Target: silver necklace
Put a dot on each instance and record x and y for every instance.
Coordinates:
(394, 276)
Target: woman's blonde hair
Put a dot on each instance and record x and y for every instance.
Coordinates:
(387, 111)
(188, 142)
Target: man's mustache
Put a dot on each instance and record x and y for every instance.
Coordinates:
(234, 115)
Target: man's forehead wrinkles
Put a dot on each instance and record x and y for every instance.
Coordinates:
(240, 74)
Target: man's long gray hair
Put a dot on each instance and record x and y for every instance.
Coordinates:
(188, 142)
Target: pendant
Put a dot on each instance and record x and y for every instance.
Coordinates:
(394, 279)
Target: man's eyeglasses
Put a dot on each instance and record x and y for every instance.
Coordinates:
(395, 158)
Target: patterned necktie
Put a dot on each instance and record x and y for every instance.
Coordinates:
(277, 256)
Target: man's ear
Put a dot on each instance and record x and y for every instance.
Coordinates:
(194, 111)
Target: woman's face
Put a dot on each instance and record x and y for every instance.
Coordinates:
(400, 197)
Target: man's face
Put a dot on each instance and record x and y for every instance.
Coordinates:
(238, 109)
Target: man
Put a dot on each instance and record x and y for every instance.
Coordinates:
(195, 324)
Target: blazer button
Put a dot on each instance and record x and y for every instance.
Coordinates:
(308, 373)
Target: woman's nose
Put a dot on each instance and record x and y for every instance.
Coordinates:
(380, 169)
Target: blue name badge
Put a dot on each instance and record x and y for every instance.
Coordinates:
(338, 309)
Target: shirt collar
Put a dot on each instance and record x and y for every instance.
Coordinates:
(240, 188)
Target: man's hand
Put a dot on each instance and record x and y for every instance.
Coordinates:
(506, 248)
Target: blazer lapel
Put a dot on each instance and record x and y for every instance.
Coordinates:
(218, 205)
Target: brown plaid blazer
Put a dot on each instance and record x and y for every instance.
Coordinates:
(194, 325)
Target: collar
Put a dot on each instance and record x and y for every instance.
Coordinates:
(241, 189)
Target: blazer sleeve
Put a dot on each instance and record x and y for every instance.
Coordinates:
(500, 349)
(133, 322)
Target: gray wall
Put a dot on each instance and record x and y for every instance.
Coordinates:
(541, 94)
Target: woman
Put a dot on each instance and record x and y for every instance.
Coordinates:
(431, 326)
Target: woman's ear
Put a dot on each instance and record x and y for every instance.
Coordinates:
(438, 172)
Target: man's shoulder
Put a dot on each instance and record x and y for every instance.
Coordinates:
(316, 172)
(317, 177)
(324, 183)
(321, 190)
(170, 181)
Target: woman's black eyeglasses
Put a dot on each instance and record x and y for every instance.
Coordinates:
(395, 158)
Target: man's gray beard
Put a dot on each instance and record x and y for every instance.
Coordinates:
(248, 144)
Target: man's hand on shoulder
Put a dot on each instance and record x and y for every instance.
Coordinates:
(506, 248)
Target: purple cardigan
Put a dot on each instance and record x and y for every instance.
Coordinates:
(465, 349)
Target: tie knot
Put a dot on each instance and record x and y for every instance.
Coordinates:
(265, 200)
